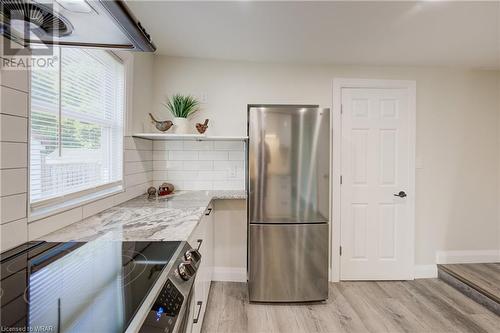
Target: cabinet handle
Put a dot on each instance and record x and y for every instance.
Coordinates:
(195, 320)
(209, 211)
(199, 241)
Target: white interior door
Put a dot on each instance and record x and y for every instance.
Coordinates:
(376, 226)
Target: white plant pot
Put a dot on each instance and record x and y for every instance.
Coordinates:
(181, 125)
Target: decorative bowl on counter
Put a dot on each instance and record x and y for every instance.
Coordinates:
(166, 189)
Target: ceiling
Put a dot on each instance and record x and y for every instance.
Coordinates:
(430, 33)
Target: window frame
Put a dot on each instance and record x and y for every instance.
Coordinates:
(55, 205)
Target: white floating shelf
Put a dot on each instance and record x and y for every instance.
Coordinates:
(186, 137)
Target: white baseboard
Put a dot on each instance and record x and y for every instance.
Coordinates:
(230, 274)
(425, 271)
(467, 257)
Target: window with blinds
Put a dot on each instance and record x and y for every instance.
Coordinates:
(77, 111)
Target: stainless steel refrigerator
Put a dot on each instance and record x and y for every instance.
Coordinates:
(288, 202)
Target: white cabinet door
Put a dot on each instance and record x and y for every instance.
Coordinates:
(198, 304)
(377, 196)
(209, 249)
(192, 310)
(203, 240)
(197, 237)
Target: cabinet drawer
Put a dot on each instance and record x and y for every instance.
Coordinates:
(202, 238)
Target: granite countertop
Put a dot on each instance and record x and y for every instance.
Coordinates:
(170, 218)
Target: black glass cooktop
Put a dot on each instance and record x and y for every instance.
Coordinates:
(78, 287)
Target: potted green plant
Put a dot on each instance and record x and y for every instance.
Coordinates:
(181, 107)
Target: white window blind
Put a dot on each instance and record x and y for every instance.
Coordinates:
(76, 123)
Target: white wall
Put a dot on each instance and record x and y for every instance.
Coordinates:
(143, 92)
(457, 132)
(230, 239)
(498, 205)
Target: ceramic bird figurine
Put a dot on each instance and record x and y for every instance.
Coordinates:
(161, 125)
(201, 128)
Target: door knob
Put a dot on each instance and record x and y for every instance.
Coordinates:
(401, 194)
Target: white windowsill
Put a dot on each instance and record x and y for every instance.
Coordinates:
(46, 211)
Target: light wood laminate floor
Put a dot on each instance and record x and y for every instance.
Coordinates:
(426, 305)
(482, 277)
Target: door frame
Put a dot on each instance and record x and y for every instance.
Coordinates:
(336, 153)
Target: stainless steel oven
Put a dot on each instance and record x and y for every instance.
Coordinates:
(170, 311)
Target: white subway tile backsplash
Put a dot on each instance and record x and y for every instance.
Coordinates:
(159, 145)
(167, 145)
(213, 155)
(228, 165)
(160, 155)
(183, 175)
(13, 181)
(160, 165)
(240, 174)
(12, 207)
(137, 155)
(197, 185)
(199, 165)
(138, 167)
(13, 234)
(182, 155)
(130, 142)
(229, 184)
(13, 128)
(168, 165)
(138, 178)
(229, 145)
(41, 227)
(97, 206)
(177, 183)
(130, 193)
(13, 102)
(13, 155)
(236, 156)
(160, 175)
(212, 175)
(198, 145)
(14, 78)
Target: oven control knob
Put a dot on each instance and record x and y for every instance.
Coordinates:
(192, 255)
(186, 270)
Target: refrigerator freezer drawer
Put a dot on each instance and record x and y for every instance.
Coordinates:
(288, 263)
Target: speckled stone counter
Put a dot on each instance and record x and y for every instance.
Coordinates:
(141, 219)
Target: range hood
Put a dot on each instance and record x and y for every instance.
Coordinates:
(105, 24)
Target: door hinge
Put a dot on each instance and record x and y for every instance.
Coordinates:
(341, 108)
(340, 180)
(340, 250)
